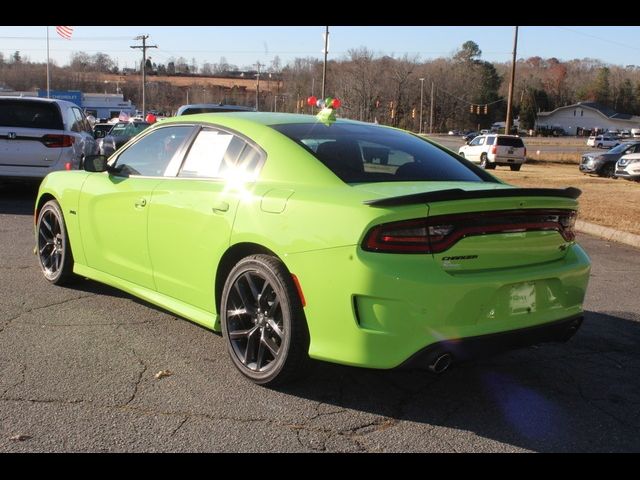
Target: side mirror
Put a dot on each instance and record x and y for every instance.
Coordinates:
(98, 134)
(96, 163)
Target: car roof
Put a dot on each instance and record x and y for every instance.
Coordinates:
(39, 99)
(261, 118)
(218, 106)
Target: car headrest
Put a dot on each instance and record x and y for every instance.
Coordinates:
(341, 156)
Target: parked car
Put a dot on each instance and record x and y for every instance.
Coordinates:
(602, 141)
(41, 135)
(100, 130)
(604, 164)
(470, 136)
(120, 134)
(271, 228)
(210, 108)
(495, 149)
(628, 167)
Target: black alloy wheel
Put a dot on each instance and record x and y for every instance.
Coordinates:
(263, 321)
(53, 249)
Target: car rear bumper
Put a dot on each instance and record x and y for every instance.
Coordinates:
(378, 310)
(461, 349)
(506, 160)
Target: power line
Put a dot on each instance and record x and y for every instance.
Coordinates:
(598, 38)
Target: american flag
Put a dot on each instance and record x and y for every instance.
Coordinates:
(65, 32)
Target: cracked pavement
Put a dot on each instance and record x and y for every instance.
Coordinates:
(78, 365)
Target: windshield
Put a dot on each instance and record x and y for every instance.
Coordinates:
(620, 148)
(128, 129)
(361, 153)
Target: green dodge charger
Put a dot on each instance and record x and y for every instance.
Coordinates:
(337, 240)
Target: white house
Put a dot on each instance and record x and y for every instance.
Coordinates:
(588, 116)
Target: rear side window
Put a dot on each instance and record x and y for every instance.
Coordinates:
(29, 114)
(364, 153)
(216, 153)
(491, 140)
(510, 142)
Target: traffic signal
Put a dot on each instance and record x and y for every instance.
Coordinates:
(413, 112)
(470, 108)
(377, 103)
(478, 109)
(486, 109)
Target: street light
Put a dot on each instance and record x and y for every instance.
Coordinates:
(421, 96)
(117, 82)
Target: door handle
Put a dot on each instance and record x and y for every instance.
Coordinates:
(220, 206)
(141, 202)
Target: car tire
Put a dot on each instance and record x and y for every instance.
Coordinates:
(52, 244)
(484, 162)
(599, 145)
(515, 168)
(461, 154)
(263, 321)
(609, 170)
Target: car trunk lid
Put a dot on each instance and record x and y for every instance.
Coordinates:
(476, 229)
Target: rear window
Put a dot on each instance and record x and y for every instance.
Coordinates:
(361, 153)
(29, 114)
(510, 142)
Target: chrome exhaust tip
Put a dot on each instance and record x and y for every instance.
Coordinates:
(440, 363)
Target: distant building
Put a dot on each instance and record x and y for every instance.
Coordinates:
(586, 116)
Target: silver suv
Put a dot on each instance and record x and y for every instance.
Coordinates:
(494, 149)
(40, 135)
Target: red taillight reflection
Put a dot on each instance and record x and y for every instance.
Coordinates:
(437, 234)
(57, 141)
(67, 166)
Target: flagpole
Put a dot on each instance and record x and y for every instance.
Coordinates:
(48, 78)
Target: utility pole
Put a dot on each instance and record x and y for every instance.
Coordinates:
(144, 47)
(324, 65)
(431, 111)
(511, 83)
(258, 64)
(421, 102)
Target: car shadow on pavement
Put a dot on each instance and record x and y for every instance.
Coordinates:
(18, 198)
(583, 395)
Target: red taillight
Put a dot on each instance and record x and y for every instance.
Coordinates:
(494, 149)
(402, 237)
(437, 234)
(57, 141)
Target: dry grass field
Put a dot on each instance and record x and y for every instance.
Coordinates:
(608, 202)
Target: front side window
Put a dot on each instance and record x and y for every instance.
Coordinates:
(151, 154)
(363, 153)
(491, 140)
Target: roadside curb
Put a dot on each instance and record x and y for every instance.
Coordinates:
(607, 233)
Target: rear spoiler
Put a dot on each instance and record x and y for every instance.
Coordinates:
(459, 194)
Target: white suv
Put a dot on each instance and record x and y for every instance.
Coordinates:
(494, 149)
(628, 167)
(603, 141)
(40, 135)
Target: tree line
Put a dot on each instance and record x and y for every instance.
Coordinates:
(468, 92)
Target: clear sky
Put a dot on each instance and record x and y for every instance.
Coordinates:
(245, 46)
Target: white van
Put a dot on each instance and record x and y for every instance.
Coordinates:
(635, 132)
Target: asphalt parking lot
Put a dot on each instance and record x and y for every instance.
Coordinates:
(78, 373)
